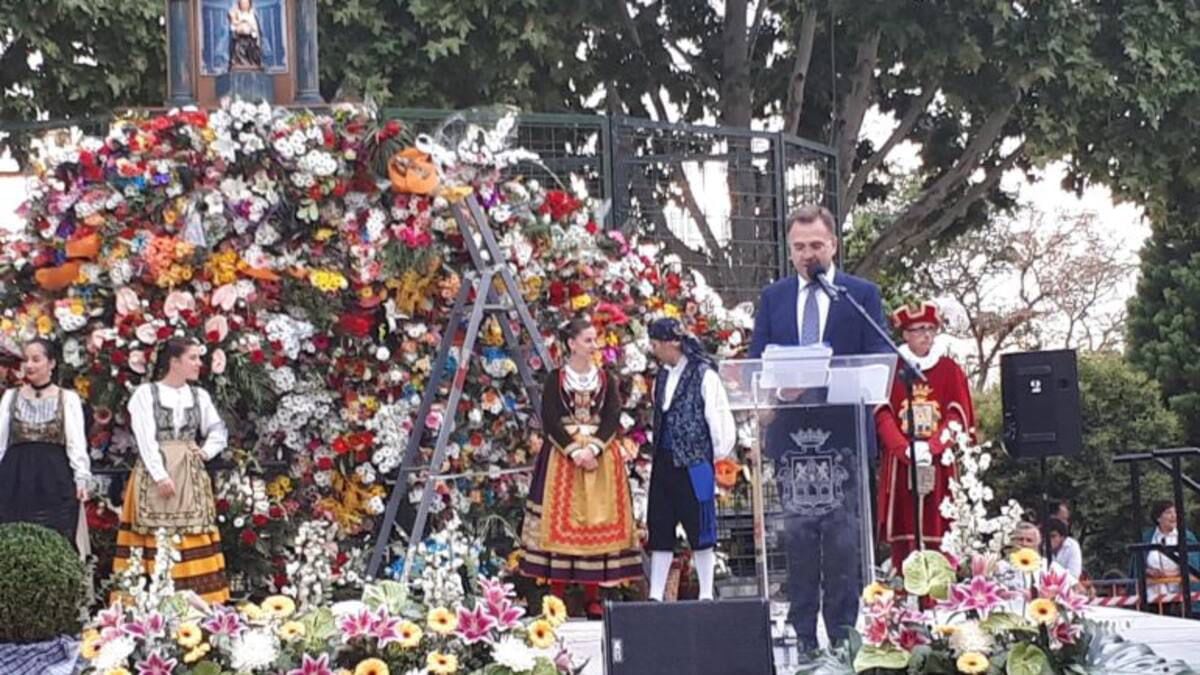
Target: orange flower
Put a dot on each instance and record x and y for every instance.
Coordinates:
(727, 471)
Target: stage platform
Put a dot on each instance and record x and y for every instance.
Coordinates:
(1170, 637)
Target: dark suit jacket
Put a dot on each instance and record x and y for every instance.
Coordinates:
(775, 322)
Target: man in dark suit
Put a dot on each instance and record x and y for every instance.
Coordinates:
(814, 449)
(786, 304)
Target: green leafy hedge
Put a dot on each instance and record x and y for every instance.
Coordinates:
(41, 584)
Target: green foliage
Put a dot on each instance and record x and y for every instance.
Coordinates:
(1164, 317)
(1027, 659)
(41, 584)
(73, 58)
(887, 658)
(928, 573)
(1122, 412)
(435, 54)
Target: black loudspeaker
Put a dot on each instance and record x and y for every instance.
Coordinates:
(727, 637)
(1040, 391)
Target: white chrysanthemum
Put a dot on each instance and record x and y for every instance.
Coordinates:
(254, 650)
(969, 637)
(113, 654)
(635, 359)
(514, 654)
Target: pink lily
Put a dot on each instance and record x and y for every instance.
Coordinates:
(150, 627)
(876, 633)
(224, 622)
(311, 666)
(356, 625)
(506, 614)
(494, 590)
(474, 626)
(385, 628)
(979, 594)
(156, 665)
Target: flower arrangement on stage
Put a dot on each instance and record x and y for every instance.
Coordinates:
(155, 630)
(316, 258)
(977, 606)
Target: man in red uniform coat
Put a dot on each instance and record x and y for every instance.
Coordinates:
(944, 399)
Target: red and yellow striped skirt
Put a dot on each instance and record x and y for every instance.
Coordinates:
(201, 565)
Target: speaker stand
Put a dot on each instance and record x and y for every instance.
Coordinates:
(1045, 515)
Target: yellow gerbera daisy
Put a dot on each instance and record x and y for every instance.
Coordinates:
(90, 648)
(117, 671)
(410, 634)
(292, 630)
(945, 630)
(554, 610)
(441, 664)
(252, 611)
(1026, 560)
(876, 592)
(442, 621)
(541, 634)
(188, 635)
(198, 652)
(972, 663)
(279, 606)
(1043, 611)
(371, 667)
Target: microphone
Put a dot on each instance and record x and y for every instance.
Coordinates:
(816, 272)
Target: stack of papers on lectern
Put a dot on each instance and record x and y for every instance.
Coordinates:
(795, 367)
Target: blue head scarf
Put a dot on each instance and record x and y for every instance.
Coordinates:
(670, 330)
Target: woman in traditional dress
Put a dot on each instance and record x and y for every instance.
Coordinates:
(44, 466)
(578, 516)
(245, 45)
(169, 488)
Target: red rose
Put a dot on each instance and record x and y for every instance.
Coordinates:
(276, 511)
(592, 227)
(321, 342)
(165, 332)
(278, 360)
(314, 192)
(356, 324)
(257, 357)
(249, 537)
(119, 358)
(222, 505)
(340, 446)
(260, 520)
(558, 293)
(325, 464)
(280, 580)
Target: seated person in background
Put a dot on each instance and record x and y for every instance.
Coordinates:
(1064, 547)
(1027, 535)
(1162, 572)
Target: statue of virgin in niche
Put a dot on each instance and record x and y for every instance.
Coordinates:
(245, 45)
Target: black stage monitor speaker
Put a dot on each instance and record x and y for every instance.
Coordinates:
(1041, 403)
(726, 637)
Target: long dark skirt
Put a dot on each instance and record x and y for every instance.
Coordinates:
(38, 486)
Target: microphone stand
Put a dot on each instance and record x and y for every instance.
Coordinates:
(909, 371)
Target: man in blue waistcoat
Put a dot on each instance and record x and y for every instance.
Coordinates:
(693, 428)
(813, 448)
